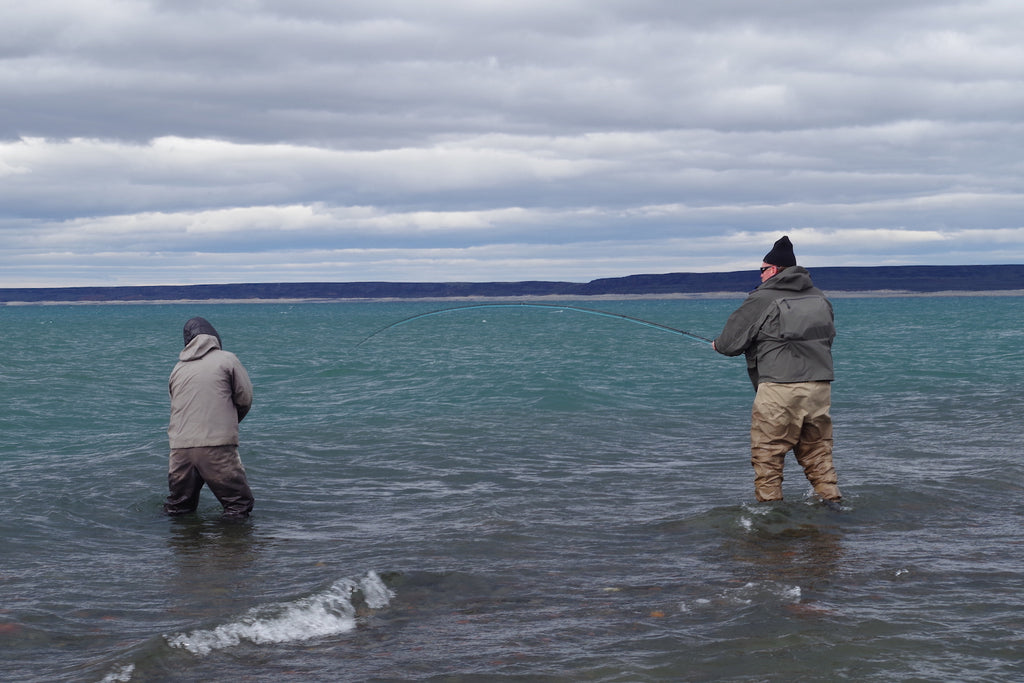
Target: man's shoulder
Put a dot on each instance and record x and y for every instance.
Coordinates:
(225, 359)
(766, 293)
(754, 306)
(210, 359)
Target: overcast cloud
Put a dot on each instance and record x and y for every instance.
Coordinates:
(187, 141)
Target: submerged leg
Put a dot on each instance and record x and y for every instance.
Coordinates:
(184, 483)
(767, 476)
(772, 435)
(814, 451)
(222, 469)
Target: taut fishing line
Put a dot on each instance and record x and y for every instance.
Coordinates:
(592, 311)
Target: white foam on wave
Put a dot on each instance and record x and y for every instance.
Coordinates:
(330, 612)
(122, 675)
(759, 592)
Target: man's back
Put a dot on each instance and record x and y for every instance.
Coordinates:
(209, 391)
(785, 327)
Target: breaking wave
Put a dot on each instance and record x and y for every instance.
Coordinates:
(330, 612)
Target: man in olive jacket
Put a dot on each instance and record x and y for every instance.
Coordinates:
(785, 328)
(210, 394)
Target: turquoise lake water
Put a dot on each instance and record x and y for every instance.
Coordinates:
(512, 494)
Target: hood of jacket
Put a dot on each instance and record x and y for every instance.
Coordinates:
(196, 326)
(792, 279)
(199, 346)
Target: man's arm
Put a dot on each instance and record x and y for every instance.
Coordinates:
(741, 328)
(241, 387)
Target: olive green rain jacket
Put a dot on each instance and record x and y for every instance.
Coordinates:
(785, 327)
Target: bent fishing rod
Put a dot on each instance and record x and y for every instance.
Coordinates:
(592, 311)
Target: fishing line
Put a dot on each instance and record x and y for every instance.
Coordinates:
(592, 311)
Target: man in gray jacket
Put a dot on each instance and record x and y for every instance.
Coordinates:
(785, 328)
(210, 394)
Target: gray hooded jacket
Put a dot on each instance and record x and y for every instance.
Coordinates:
(210, 391)
(785, 327)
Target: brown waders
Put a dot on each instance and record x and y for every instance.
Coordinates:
(220, 468)
(792, 416)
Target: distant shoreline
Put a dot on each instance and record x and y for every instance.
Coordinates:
(870, 294)
(839, 282)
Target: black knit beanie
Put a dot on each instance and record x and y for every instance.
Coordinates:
(781, 254)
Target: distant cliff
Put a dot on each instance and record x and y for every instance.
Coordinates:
(916, 279)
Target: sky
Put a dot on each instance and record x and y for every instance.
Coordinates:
(187, 141)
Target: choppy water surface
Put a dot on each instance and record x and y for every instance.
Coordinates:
(506, 494)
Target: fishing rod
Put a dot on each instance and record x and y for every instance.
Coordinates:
(592, 311)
